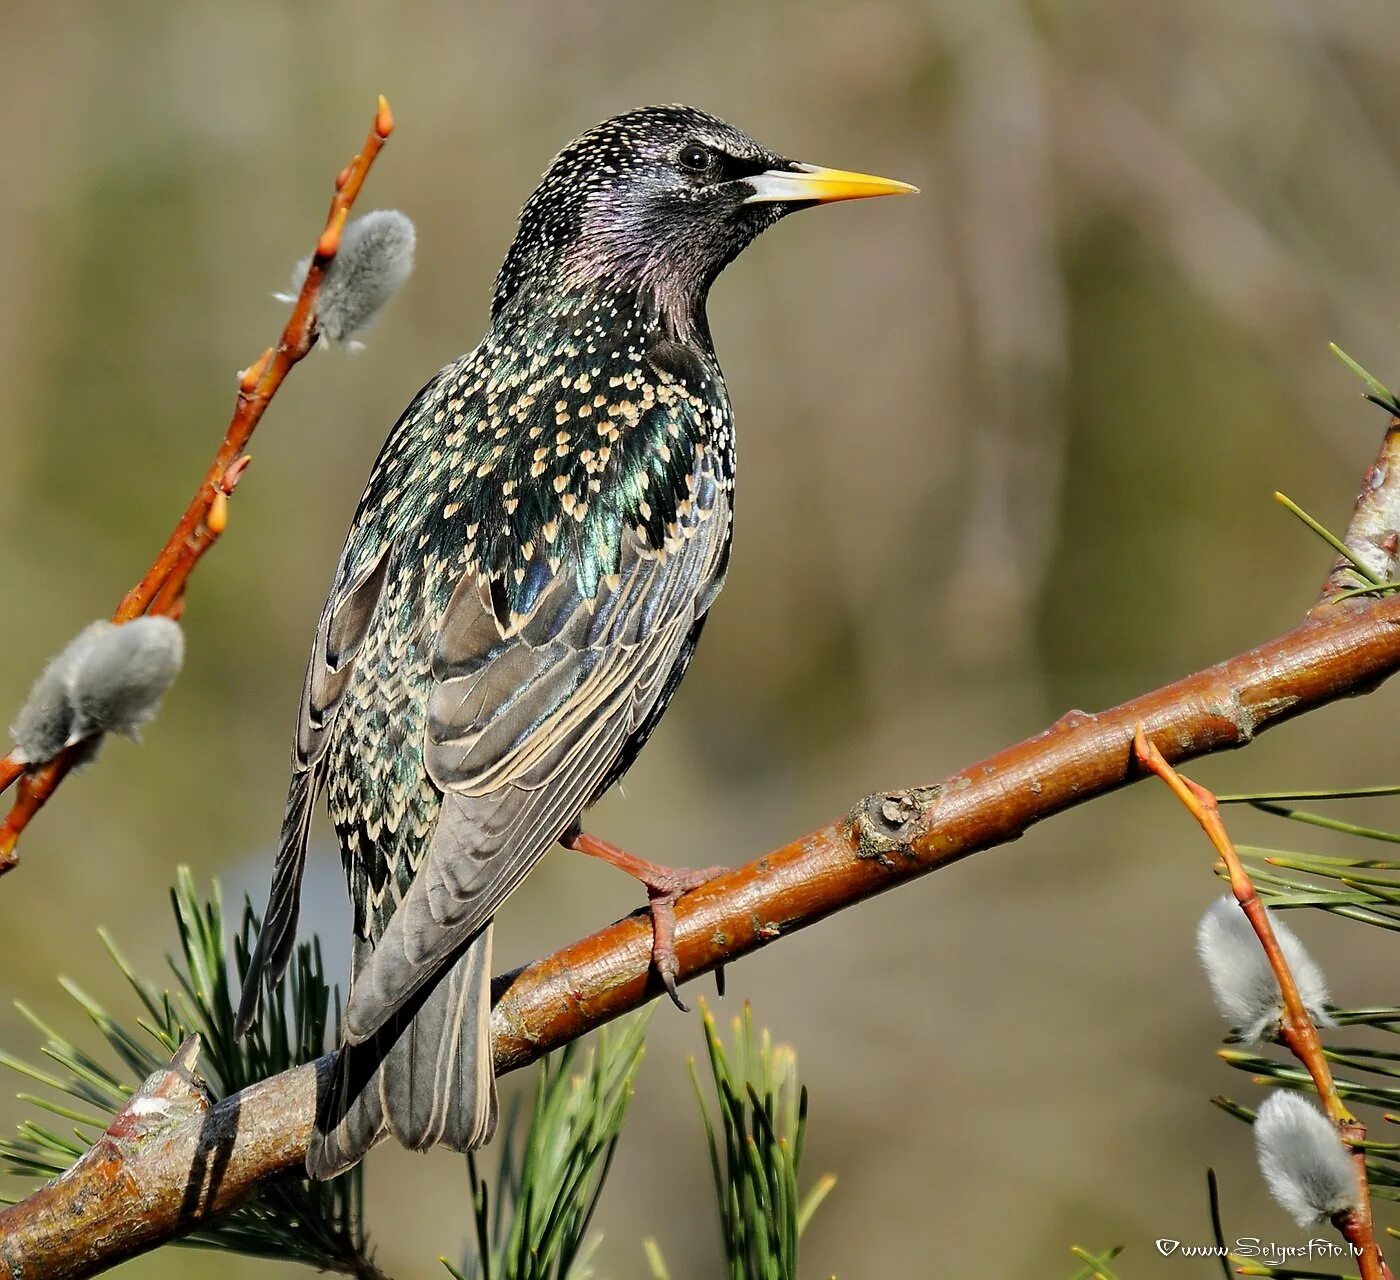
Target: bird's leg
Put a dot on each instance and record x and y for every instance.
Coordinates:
(663, 885)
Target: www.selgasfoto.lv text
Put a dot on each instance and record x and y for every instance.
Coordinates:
(1269, 1252)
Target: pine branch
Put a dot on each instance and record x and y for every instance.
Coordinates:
(319, 1223)
(535, 1225)
(756, 1142)
(1095, 1265)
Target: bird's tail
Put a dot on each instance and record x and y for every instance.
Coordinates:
(426, 1076)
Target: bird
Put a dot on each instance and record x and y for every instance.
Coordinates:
(521, 590)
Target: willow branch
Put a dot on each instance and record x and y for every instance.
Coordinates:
(162, 587)
(1297, 1030)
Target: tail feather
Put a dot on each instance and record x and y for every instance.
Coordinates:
(278, 934)
(427, 1076)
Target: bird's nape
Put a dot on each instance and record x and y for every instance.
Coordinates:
(660, 200)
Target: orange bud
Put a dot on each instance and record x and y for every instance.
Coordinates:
(384, 121)
(235, 473)
(216, 519)
(252, 375)
(329, 243)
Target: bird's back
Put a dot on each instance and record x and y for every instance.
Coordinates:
(575, 431)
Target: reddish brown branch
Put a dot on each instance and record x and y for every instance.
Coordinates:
(170, 1161)
(1373, 536)
(887, 839)
(1297, 1029)
(892, 837)
(162, 587)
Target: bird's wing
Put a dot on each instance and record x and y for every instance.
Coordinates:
(527, 717)
(339, 635)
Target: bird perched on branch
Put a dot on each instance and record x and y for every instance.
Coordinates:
(519, 595)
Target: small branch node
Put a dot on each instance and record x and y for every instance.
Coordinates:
(1072, 719)
(328, 245)
(172, 1096)
(887, 823)
(235, 473)
(250, 377)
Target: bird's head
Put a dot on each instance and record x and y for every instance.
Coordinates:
(659, 201)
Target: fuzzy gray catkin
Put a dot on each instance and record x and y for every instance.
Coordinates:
(1306, 1165)
(41, 728)
(1242, 981)
(374, 260)
(118, 681)
(109, 678)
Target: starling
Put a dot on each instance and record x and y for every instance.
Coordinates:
(519, 595)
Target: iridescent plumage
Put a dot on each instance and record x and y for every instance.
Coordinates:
(520, 592)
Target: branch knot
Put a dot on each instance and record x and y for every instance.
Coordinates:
(886, 823)
(167, 1099)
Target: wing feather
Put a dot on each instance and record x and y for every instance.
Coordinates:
(524, 729)
(340, 633)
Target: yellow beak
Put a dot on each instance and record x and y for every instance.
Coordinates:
(811, 183)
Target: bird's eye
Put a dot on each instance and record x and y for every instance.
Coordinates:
(696, 158)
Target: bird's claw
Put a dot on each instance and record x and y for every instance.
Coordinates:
(663, 892)
(667, 968)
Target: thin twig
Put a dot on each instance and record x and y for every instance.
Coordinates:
(162, 587)
(1297, 1029)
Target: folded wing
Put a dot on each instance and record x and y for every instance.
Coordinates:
(528, 718)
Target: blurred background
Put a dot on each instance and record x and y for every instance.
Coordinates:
(1007, 448)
